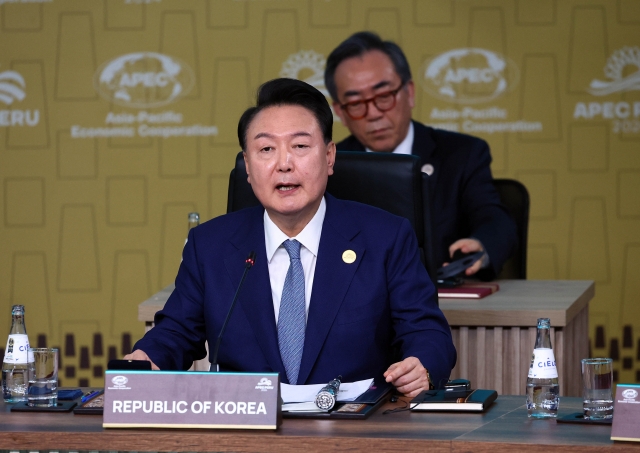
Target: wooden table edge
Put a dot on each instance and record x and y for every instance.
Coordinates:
(205, 440)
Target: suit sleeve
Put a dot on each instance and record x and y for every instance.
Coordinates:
(420, 327)
(484, 213)
(179, 334)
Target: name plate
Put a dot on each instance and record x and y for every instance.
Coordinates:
(191, 399)
(626, 413)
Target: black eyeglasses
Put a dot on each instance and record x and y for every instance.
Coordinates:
(383, 101)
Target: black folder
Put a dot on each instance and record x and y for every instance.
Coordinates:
(468, 401)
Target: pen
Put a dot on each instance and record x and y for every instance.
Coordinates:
(87, 396)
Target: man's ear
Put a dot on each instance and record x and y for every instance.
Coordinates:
(331, 157)
(338, 111)
(246, 166)
(411, 93)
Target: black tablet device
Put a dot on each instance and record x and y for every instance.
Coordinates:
(116, 364)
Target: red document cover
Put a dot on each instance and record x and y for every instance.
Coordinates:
(469, 290)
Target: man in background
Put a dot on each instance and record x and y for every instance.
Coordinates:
(373, 94)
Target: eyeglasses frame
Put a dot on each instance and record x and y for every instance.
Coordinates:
(366, 102)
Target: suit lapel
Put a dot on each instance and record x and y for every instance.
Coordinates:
(332, 279)
(423, 145)
(255, 295)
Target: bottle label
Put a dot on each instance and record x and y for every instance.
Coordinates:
(17, 350)
(543, 364)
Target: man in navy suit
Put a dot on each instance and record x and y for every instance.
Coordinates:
(370, 83)
(364, 294)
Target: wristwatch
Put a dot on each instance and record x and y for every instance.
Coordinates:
(431, 386)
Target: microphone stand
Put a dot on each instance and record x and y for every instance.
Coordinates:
(249, 262)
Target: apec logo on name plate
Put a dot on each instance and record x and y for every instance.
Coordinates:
(119, 383)
(629, 395)
(144, 80)
(264, 384)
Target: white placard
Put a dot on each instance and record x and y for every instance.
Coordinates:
(543, 364)
(17, 350)
(191, 399)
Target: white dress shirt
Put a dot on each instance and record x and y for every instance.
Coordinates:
(309, 238)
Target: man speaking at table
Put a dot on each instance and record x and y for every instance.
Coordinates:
(337, 287)
(370, 83)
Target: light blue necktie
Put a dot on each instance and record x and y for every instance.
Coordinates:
(291, 319)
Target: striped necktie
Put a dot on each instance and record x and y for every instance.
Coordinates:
(292, 319)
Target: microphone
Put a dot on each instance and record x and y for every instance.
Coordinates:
(327, 396)
(248, 264)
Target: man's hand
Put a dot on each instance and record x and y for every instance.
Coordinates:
(139, 354)
(408, 376)
(468, 246)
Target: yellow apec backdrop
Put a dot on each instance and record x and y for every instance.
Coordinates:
(118, 118)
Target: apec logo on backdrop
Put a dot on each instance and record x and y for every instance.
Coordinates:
(469, 75)
(473, 76)
(144, 80)
(623, 73)
(620, 62)
(308, 66)
(13, 89)
(307, 63)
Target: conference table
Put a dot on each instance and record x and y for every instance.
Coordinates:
(504, 427)
(494, 336)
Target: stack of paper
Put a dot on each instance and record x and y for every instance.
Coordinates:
(301, 398)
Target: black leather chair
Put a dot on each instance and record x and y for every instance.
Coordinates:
(388, 181)
(515, 198)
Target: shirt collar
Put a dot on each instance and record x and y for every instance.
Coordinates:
(405, 145)
(309, 236)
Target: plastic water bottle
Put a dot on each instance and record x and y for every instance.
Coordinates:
(18, 364)
(542, 382)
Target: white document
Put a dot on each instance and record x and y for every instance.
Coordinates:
(301, 407)
(348, 391)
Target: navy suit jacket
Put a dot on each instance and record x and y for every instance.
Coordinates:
(360, 314)
(464, 202)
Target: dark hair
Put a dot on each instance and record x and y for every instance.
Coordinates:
(358, 44)
(279, 92)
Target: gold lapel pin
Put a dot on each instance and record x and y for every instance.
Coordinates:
(348, 256)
